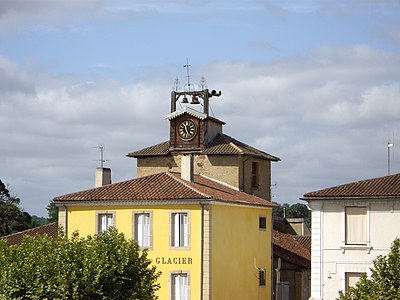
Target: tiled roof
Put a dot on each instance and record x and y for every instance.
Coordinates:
(155, 150)
(295, 249)
(222, 144)
(165, 186)
(16, 238)
(387, 186)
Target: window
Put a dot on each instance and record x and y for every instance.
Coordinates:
(180, 229)
(262, 222)
(179, 286)
(104, 221)
(351, 279)
(142, 229)
(261, 277)
(254, 174)
(356, 225)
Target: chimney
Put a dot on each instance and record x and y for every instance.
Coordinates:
(187, 167)
(103, 177)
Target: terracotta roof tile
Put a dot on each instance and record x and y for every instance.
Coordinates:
(165, 186)
(49, 229)
(222, 144)
(155, 150)
(293, 248)
(387, 186)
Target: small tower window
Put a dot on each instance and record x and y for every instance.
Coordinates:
(254, 174)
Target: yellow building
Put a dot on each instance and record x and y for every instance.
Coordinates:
(209, 239)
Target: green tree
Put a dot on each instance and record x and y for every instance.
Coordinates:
(52, 211)
(104, 266)
(297, 210)
(384, 282)
(12, 218)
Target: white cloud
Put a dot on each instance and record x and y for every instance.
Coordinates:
(328, 115)
(13, 13)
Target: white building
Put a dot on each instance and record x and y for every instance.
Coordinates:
(351, 225)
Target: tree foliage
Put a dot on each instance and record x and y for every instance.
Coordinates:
(12, 218)
(384, 282)
(52, 211)
(297, 210)
(104, 266)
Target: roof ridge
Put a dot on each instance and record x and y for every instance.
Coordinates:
(185, 183)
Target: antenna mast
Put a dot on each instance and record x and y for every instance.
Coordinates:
(188, 73)
(101, 160)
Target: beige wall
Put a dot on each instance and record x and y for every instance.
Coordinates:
(225, 168)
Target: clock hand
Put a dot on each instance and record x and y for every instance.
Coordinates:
(186, 129)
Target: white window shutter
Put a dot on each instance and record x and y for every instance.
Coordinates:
(175, 236)
(139, 229)
(146, 230)
(185, 230)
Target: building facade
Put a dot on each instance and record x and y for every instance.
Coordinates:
(351, 225)
(203, 236)
(200, 205)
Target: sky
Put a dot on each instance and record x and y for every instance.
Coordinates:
(315, 83)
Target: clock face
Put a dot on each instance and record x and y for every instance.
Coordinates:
(187, 130)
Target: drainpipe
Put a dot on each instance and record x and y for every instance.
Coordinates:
(202, 252)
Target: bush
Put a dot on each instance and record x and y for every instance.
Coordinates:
(105, 266)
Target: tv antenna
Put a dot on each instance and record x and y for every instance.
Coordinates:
(203, 83)
(101, 160)
(188, 73)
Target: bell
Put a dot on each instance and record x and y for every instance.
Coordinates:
(185, 100)
(195, 100)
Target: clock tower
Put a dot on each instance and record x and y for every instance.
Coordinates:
(197, 143)
(192, 130)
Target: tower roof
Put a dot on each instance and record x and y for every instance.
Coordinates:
(222, 144)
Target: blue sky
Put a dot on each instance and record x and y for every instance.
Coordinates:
(316, 83)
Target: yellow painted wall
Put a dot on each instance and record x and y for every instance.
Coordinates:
(237, 245)
(84, 219)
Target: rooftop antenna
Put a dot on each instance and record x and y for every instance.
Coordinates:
(176, 84)
(101, 160)
(188, 73)
(203, 83)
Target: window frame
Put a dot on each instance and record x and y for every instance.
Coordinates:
(346, 276)
(136, 213)
(255, 174)
(98, 222)
(347, 240)
(172, 275)
(172, 230)
(262, 223)
(262, 277)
